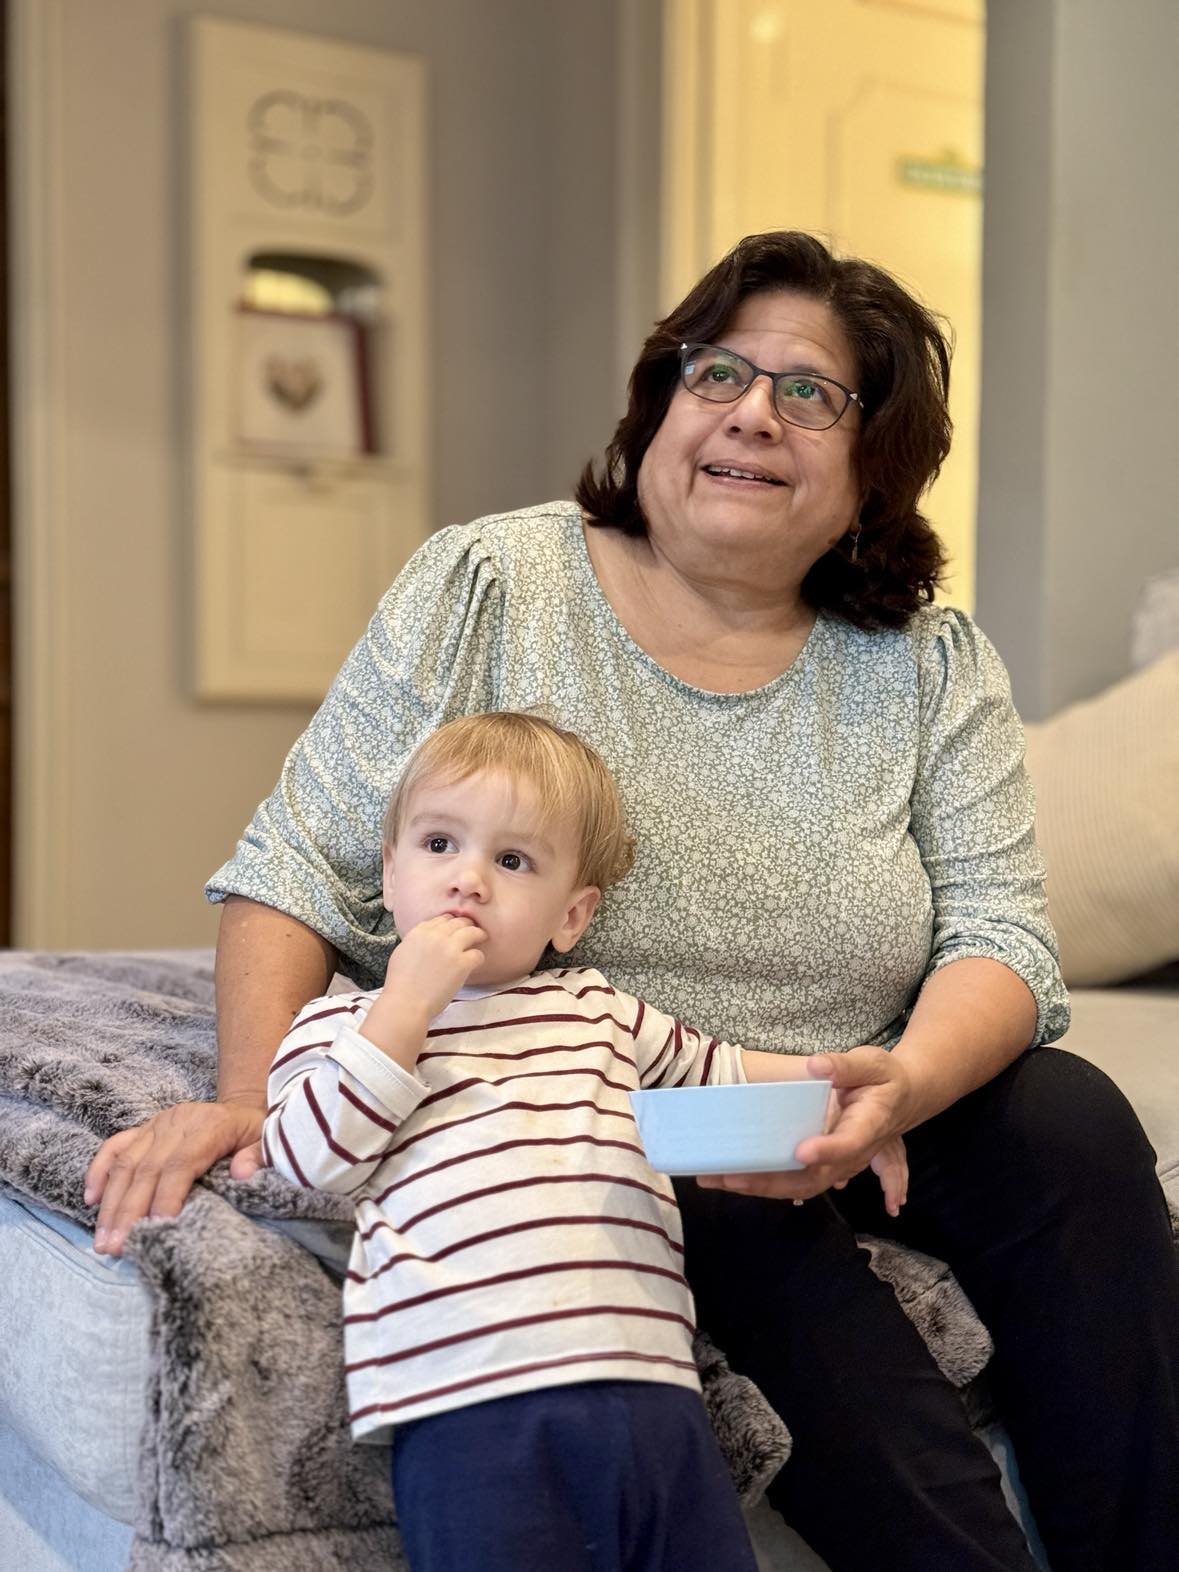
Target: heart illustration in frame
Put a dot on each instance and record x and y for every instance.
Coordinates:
(294, 383)
(301, 381)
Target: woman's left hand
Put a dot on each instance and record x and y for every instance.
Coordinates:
(874, 1102)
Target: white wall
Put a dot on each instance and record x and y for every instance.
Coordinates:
(129, 793)
(1080, 404)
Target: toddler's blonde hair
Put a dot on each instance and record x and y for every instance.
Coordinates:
(571, 782)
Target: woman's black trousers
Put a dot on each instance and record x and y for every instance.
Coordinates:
(1039, 1190)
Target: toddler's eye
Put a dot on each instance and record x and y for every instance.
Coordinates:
(438, 844)
(512, 861)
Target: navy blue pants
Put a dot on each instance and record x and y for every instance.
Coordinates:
(1039, 1190)
(604, 1476)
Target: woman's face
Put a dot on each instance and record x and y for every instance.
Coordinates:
(771, 529)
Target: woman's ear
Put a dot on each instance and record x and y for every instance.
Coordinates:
(577, 919)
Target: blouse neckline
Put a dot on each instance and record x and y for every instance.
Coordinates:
(592, 583)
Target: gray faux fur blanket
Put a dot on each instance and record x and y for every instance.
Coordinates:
(246, 1463)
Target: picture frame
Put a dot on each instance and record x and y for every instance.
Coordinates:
(301, 383)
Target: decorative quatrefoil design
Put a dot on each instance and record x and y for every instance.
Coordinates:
(313, 153)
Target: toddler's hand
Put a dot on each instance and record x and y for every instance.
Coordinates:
(891, 1167)
(433, 961)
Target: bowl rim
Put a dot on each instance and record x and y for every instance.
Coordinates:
(734, 1086)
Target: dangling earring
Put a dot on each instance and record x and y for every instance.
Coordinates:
(855, 551)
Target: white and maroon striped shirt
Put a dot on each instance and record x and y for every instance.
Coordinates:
(510, 1233)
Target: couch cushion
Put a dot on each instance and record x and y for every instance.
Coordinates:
(76, 1399)
(1132, 1033)
(1106, 774)
(45, 1527)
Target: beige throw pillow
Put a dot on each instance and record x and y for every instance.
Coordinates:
(1106, 774)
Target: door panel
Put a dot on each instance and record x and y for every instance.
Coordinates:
(860, 120)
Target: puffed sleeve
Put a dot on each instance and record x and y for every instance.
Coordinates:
(312, 848)
(973, 817)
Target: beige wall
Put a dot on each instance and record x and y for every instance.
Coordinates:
(128, 792)
(1077, 499)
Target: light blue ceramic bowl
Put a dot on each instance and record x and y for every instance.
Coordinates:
(729, 1129)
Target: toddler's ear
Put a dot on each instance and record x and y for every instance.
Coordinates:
(387, 877)
(576, 919)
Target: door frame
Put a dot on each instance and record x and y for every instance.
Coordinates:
(40, 635)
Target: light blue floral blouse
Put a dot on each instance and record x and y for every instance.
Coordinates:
(808, 852)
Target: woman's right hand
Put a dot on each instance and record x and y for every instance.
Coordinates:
(268, 966)
(148, 1170)
(874, 1095)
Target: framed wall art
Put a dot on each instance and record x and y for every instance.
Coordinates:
(308, 404)
(301, 382)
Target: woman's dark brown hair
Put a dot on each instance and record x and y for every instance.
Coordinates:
(902, 358)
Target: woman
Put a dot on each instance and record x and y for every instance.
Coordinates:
(824, 774)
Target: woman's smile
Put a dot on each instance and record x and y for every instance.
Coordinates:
(732, 474)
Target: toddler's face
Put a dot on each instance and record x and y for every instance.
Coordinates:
(480, 849)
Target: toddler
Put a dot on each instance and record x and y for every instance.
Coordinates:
(516, 1315)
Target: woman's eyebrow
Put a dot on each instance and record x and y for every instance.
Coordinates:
(806, 369)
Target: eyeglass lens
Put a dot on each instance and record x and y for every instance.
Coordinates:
(722, 376)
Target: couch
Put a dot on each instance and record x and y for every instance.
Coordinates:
(76, 1329)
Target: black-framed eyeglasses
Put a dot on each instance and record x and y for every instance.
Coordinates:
(801, 397)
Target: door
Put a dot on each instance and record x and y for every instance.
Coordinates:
(861, 120)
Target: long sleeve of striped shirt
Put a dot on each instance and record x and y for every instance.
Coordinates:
(668, 1053)
(335, 1100)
